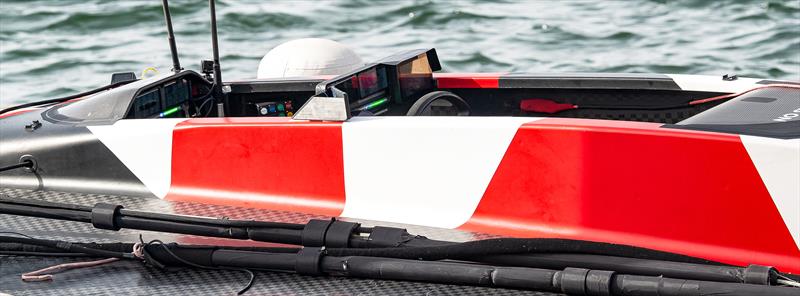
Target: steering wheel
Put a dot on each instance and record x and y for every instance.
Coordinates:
(424, 105)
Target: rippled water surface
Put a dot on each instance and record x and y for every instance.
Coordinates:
(53, 48)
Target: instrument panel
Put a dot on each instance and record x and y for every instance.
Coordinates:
(391, 83)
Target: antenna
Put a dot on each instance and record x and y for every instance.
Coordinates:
(176, 65)
(215, 48)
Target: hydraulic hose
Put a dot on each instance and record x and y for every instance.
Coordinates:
(312, 261)
(499, 246)
(412, 247)
(344, 239)
(382, 241)
(718, 273)
(43, 246)
(151, 215)
(49, 213)
(121, 218)
(571, 281)
(682, 270)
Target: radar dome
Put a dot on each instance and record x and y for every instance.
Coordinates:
(308, 57)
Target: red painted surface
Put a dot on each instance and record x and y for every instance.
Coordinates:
(16, 112)
(467, 80)
(259, 162)
(688, 192)
(544, 106)
(693, 193)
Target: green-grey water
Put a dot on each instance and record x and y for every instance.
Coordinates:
(54, 48)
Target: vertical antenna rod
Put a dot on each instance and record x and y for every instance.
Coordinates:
(215, 47)
(176, 65)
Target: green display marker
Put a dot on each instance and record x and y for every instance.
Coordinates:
(376, 103)
(169, 111)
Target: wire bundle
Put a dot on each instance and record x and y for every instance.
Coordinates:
(340, 248)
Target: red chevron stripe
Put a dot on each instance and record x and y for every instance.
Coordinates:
(634, 183)
(259, 162)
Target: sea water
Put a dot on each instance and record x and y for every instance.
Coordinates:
(55, 48)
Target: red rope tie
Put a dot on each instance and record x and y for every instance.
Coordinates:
(46, 274)
(43, 274)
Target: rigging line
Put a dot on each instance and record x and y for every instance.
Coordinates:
(22, 164)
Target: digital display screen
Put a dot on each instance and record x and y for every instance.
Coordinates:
(415, 76)
(368, 82)
(349, 87)
(162, 102)
(364, 84)
(146, 105)
(176, 93)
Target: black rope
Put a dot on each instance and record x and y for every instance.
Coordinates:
(22, 164)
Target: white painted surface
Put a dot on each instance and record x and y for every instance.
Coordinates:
(144, 146)
(778, 164)
(713, 83)
(429, 171)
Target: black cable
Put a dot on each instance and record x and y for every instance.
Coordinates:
(705, 272)
(67, 246)
(63, 99)
(76, 250)
(43, 203)
(499, 246)
(22, 164)
(17, 233)
(422, 248)
(176, 257)
(128, 247)
(240, 256)
(566, 280)
(200, 109)
(155, 216)
(398, 243)
(210, 221)
(44, 254)
(39, 212)
(25, 247)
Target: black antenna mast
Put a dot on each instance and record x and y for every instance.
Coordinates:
(176, 65)
(215, 48)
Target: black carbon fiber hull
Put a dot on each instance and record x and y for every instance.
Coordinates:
(132, 278)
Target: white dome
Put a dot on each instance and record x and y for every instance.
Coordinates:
(308, 57)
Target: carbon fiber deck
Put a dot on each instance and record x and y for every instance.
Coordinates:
(132, 278)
